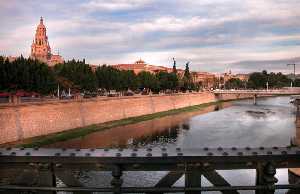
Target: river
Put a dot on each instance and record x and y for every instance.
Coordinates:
(239, 123)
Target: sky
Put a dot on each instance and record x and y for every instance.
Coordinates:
(213, 35)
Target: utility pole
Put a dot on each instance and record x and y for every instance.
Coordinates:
(294, 78)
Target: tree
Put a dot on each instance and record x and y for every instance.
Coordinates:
(258, 80)
(128, 80)
(167, 80)
(148, 81)
(108, 78)
(174, 66)
(234, 83)
(78, 73)
(26, 74)
(187, 71)
(186, 80)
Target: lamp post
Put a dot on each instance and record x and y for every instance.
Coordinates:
(58, 91)
(219, 81)
(294, 77)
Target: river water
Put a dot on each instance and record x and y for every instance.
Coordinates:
(240, 124)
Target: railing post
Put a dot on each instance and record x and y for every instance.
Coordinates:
(266, 176)
(193, 179)
(116, 182)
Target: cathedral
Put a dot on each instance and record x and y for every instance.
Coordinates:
(40, 48)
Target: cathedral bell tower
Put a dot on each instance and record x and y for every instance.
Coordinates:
(40, 48)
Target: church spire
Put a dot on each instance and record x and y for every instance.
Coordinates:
(41, 20)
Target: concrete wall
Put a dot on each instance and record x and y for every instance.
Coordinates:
(29, 120)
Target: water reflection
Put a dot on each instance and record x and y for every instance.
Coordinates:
(239, 124)
(157, 132)
(269, 123)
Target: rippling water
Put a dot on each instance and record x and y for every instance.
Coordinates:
(239, 124)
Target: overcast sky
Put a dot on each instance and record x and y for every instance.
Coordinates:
(212, 34)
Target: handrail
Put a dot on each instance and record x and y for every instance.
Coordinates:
(45, 164)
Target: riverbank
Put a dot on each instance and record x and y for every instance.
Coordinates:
(35, 120)
(82, 131)
(41, 141)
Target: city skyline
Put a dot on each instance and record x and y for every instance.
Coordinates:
(214, 35)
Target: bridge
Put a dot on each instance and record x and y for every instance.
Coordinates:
(35, 170)
(256, 93)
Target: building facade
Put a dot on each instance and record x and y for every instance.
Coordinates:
(140, 66)
(40, 47)
(204, 79)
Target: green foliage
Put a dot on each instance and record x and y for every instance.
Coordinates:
(111, 78)
(128, 80)
(297, 83)
(32, 75)
(79, 73)
(187, 73)
(187, 82)
(167, 80)
(148, 80)
(108, 77)
(174, 66)
(234, 83)
(258, 80)
(26, 74)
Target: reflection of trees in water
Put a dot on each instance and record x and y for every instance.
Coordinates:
(186, 126)
(218, 106)
(161, 137)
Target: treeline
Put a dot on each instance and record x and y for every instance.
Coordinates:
(262, 80)
(259, 80)
(110, 78)
(26, 74)
(33, 75)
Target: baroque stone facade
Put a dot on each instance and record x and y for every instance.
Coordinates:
(40, 48)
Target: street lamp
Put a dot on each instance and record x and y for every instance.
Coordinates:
(293, 79)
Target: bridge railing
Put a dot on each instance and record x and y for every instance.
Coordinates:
(37, 169)
(247, 91)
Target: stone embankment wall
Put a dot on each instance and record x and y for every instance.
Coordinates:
(22, 121)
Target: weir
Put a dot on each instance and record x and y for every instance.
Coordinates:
(36, 169)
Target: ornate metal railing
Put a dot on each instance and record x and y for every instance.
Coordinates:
(35, 169)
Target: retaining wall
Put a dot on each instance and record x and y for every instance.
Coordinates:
(29, 120)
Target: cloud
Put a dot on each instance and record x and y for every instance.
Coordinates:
(269, 65)
(212, 34)
(114, 5)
